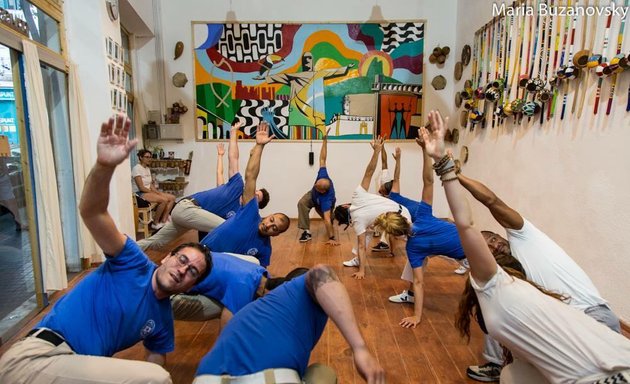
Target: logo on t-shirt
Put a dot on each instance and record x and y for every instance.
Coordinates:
(252, 251)
(147, 329)
(230, 214)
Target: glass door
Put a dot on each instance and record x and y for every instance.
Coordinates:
(20, 287)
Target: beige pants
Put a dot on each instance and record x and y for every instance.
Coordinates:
(185, 216)
(36, 361)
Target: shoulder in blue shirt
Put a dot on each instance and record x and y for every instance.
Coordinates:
(239, 234)
(233, 281)
(113, 308)
(324, 201)
(223, 200)
(276, 331)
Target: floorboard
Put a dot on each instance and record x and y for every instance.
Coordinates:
(431, 353)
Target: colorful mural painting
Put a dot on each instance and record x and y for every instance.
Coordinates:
(357, 79)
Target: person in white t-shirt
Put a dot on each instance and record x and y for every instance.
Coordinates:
(548, 338)
(545, 263)
(364, 208)
(144, 187)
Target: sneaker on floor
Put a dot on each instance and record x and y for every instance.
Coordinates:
(380, 247)
(461, 270)
(404, 297)
(354, 262)
(463, 267)
(305, 237)
(157, 226)
(489, 372)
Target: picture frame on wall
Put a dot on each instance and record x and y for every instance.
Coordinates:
(306, 78)
(109, 47)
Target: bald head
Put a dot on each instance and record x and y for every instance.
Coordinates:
(322, 185)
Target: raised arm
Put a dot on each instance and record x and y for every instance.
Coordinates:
(482, 263)
(506, 216)
(396, 180)
(326, 289)
(220, 153)
(233, 154)
(427, 175)
(112, 148)
(377, 145)
(253, 165)
(323, 153)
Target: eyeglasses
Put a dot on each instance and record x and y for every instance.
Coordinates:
(183, 261)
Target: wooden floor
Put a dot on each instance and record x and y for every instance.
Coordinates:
(431, 353)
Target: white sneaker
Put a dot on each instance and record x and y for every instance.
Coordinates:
(403, 297)
(463, 268)
(354, 262)
(157, 226)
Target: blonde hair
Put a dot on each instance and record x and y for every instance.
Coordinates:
(392, 223)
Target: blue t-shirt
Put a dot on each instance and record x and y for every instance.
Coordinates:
(431, 236)
(324, 201)
(113, 308)
(239, 234)
(278, 330)
(223, 200)
(232, 281)
(411, 205)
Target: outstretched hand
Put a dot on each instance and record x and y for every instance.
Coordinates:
(434, 139)
(220, 149)
(262, 133)
(113, 144)
(377, 144)
(368, 366)
(397, 154)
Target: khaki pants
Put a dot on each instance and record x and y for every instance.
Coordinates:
(304, 209)
(36, 361)
(185, 216)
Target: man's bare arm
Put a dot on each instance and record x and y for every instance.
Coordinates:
(377, 145)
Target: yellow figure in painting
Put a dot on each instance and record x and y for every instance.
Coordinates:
(306, 103)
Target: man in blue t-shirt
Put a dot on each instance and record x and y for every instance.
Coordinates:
(206, 210)
(273, 336)
(124, 301)
(235, 281)
(321, 197)
(246, 232)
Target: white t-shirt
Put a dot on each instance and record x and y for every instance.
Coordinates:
(549, 266)
(562, 342)
(365, 208)
(143, 172)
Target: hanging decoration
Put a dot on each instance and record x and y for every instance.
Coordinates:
(539, 64)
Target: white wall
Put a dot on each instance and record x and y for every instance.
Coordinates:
(569, 178)
(285, 171)
(87, 24)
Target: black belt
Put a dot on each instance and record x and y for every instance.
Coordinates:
(192, 200)
(47, 335)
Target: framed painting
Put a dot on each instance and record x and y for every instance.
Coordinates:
(356, 79)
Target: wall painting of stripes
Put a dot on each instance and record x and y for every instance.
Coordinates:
(357, 80)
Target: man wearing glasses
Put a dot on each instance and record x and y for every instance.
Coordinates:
(123, 301)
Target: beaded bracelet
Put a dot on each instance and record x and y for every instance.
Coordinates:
(440, 163)
(446, 167)
(447, 180)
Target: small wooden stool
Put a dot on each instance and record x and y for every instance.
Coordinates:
(143, 217)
